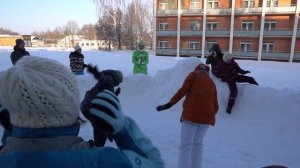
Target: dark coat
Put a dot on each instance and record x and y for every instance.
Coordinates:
(17, 54)
(214, 61)
(76, 61)
(228, 72)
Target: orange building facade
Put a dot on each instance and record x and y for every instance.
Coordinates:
(251, 29)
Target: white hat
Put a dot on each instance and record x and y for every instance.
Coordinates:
(39, 93)
(227, 57)
(77, 47)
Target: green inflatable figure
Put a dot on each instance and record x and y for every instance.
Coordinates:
(140, 59)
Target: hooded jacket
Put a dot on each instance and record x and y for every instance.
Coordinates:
(201, 103)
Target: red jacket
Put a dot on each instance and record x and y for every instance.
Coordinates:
(228, 72)
(201, 103)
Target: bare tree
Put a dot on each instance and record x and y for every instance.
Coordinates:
(8, 31)
(88, 31)
(113, 9)
(137, 23)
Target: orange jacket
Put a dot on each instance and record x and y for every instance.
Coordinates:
(201, 103)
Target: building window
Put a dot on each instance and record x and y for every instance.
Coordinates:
(209, 44)
(247, 25)
(194, 25)
(164, 6)
(272, 3)
(77, 44)
(212, 25)
(92, 44)
(245, 46)
(270, 25)
(194, 4)
(193, 45)
(267, 47)
(82, 44)
(212, 4)
(87, 44)
(163, 44)
(248, 3)
(163, 26)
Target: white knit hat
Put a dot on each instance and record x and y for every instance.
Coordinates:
(227, 57)
(39, 93)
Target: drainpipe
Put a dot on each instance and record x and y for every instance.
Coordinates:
(204, 28)
(295, 31)
(231, 26)
(261, 34)
(178, 27)
(154, 38)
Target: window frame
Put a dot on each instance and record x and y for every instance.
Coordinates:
(209, 44)
(163, 26)
(247, 23)
(194, 43)
(212, 4)
(210, 25)
(268, 44)
(193, 24)
(248, 45)
(163, 42)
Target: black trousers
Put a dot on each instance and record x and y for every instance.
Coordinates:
(233, 88)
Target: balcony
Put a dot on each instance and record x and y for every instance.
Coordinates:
(278, 33)
(190, 52)
(188, 11)
(191, 33)
(167, 13)
(166, 51)
(247, 55)
(297, 56)
(166, 32)
(298, 33)
(219, 11)
(243, 11)
(245, 33)
(275, 55)
(281, 10)
(217, 33)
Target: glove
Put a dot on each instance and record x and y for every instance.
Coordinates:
(4, 119)
(246, 72)
(164, 107)
(118, 91)
(94, 70)
(106, 113)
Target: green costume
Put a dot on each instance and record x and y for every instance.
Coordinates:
(140, 59)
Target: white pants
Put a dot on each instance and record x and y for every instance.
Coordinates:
(191, 145)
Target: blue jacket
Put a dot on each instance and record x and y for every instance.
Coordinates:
(61, 147)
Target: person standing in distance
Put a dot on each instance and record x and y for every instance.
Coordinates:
(140, 59)
(77, 61)
(19, 51)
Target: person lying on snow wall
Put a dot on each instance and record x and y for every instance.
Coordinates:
(231, 73)
(42, 99)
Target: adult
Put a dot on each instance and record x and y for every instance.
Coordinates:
(231, 73)
(140, 59)
(77, 61)
(42, 98)
(199, 109)
(19, 51)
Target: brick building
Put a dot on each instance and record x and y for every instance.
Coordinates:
(252, 29)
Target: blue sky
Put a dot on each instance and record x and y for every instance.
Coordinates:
(26, 16)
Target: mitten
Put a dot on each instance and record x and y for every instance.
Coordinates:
(94, 70)
(106, 113)
(118, 91)
(4, 119)
(247, 72)
(164, 107)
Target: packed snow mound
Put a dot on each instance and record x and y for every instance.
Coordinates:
(274, 121)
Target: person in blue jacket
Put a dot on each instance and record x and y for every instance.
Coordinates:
(42, 99)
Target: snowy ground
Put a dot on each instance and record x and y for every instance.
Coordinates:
(262, 130)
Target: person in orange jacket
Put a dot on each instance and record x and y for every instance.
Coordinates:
(199, 110)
